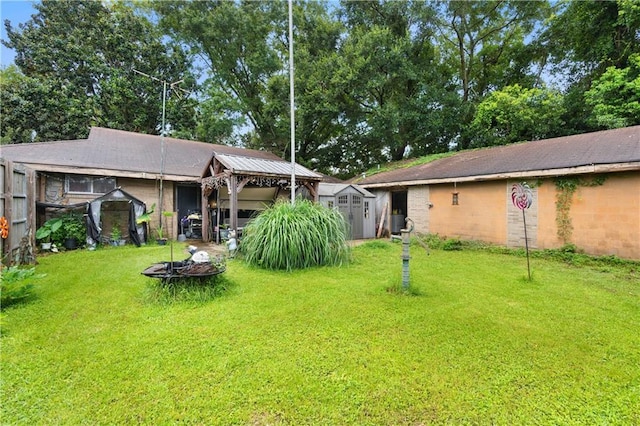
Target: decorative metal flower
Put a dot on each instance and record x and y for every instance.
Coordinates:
(521, 195)
(4, 227)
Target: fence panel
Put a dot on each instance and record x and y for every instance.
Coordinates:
(17, 205)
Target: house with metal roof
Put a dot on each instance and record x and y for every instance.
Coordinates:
(171, 173)
(585, 191)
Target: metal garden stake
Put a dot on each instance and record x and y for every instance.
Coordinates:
(522, 197)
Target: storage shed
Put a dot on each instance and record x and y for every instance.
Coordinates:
(356, 204)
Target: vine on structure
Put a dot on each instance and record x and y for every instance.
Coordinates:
(565, 188)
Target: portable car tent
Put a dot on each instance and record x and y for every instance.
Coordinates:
(114, 210)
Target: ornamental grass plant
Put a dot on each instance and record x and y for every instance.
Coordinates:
(296, 236)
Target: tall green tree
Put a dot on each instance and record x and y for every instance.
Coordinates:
(391, 89)
(517, 114)
(485, 46)
(241, 48)
(615, 96)
(37, 109)
(584, 39)
(85, 53)
(244, 47)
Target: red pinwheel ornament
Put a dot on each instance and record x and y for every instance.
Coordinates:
(521, 195)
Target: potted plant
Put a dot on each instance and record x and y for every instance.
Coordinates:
(73, 229)
(47, 229)
(146, 218)
(162, 240)
(116, 236)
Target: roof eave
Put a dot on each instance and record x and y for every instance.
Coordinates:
(592, 168)
(108, 172)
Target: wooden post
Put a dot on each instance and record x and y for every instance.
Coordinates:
(233, 199)
(382, 218)
(205, 217)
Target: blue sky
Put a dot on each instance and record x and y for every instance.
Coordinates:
(16, 11)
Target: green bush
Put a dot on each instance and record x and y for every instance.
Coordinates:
(297, 236)
(452, 244)
(14, 286)
(73, 226)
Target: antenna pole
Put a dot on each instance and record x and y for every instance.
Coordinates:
(162, 132)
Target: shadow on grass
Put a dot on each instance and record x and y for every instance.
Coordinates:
(190, 290)
(399, 290)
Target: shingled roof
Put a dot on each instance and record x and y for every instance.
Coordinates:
(607, 150)
(118, 153)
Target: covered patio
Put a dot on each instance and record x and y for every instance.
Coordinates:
(263, 180)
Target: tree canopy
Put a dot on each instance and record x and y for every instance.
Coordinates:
(80, 57)
(375, 80)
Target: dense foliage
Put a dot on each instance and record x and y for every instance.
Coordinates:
(77, 62)
(296, 236)
(15, 285)
(375, 81)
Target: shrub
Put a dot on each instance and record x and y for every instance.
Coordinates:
(295, 236)
(14, 286)
(452, 244)
(73, 226)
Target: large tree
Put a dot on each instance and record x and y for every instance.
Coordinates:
(584, 39)
(244, 48)
(517, 114)
(485, 44)
(84, 53)
(390, 89)
(615, 96)
(241, 48)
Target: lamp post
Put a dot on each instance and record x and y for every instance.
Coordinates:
(164, 103)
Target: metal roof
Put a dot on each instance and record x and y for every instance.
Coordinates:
(609, 147)
(269, 167)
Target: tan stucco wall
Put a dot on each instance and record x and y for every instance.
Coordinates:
(479, 215)
(605, 218)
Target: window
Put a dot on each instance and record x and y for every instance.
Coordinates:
(454, 199)
(343, 199)
(330, 204)
(89, 184)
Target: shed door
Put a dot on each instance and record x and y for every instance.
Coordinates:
(351, 207)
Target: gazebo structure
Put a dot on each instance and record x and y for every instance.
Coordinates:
(268, 179)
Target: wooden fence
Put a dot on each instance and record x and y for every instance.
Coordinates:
(18, 206)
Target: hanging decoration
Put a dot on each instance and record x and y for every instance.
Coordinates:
(4, 227)
(522, 198)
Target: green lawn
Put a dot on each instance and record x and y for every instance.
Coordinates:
(475, 343)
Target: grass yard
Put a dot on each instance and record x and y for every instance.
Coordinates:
(476, 343)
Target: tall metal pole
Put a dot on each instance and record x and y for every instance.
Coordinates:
(161, 196)
(162, 155)
(292, 112)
